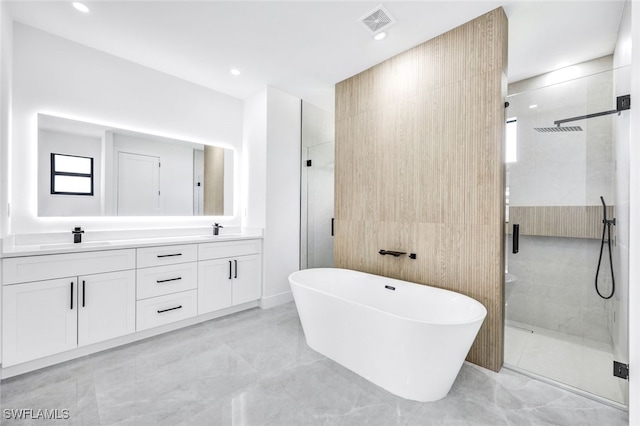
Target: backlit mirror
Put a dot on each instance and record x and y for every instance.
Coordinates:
(87, 169)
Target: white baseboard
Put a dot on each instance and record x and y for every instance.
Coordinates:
(276, 300)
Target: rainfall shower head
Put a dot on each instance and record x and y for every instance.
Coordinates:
(623, 103)
(558, 129)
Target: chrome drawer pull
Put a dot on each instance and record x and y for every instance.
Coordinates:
(170, 309)
(167, 280)
(170, 255)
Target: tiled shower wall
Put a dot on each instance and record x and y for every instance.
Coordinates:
(555, 286)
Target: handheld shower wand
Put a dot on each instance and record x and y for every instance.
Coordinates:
(606, 229)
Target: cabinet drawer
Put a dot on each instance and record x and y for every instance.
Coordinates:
(167, 255)
(161, 310)
(37, 268)
(162, 280)
(228, 249)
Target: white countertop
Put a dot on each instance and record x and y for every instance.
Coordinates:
(18, 250)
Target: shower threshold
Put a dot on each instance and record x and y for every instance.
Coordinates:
(579, 365)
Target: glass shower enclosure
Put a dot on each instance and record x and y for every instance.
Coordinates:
(317, 187)
(566, 140)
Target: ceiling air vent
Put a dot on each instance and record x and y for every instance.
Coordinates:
(377, 19)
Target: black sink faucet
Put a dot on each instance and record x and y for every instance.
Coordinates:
(216, 228)
(77, 234)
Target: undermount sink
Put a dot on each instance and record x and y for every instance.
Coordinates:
(221, 236)
(87, 244)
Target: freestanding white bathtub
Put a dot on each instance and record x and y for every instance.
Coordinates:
(407, 338)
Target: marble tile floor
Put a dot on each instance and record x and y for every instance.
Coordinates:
(254, 368)
(574, 361)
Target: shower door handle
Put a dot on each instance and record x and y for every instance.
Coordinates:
(332, 222)
(515, 239)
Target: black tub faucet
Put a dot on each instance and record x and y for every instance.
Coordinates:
(216, 228)
(77, 234)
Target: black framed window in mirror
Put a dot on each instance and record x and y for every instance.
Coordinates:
(71, 174)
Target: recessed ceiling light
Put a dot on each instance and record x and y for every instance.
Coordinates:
(533, 106)
(380, 36)
(235, 71)
(81, 7)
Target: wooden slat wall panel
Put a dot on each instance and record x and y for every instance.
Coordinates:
(419, 168)
(214, 178)
(559, 221)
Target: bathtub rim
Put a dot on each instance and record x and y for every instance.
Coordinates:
(472, 320)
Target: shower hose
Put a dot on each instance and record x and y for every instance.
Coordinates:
(606, 230)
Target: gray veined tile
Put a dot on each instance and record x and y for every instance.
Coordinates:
(338, 396)
(254, 368)
(262, 403)
(270, 350)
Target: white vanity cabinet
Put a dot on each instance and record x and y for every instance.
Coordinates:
(167, 285)
(45, 317)
(229, 273)
(58, 306)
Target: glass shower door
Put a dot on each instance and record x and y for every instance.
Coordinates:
(561, 157)
(320, 190)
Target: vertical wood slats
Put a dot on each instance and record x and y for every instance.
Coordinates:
(419, 168)
(214, 178)
(559, 221)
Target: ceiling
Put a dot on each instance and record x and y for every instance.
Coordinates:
(305, 47)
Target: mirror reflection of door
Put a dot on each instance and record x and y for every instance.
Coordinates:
(138, 185)
(320, 205)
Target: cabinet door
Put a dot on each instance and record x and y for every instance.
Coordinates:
(106, 306)
(214, 284)
(39, 319)
(247, 283)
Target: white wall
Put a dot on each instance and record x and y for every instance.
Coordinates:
(272, 132)
(254, 148)
(59, 77)
(282, 230)
(634, 226)
(6, 49)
